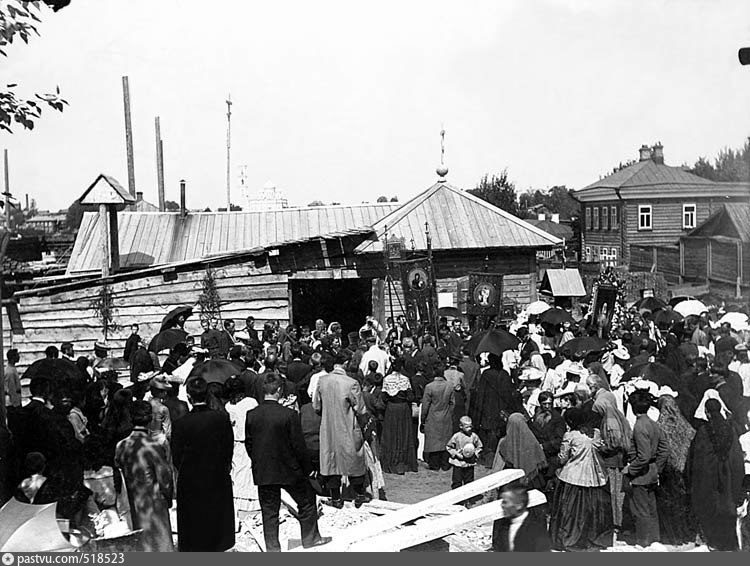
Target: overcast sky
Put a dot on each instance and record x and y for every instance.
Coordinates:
(344, 101)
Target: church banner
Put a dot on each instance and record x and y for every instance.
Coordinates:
(417, 285)
(485, 294)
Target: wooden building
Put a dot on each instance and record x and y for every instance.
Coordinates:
(286, 265)
(718, 251)
(648, 204)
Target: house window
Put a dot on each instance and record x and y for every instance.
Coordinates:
(596, 218)
(588, 218)
(613, 224)
(644, 217)
(605, 219)
(688, 216)
(588, 253)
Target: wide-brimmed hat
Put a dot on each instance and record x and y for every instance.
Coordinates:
(741, 348)
(102, 345)
(570, 388)
(621, 352)
(531, 374)
(666, 390)
(159, 382)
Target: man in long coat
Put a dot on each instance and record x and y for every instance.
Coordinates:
(148, 477)
(437, 421)
(202, 448)
(338, 399)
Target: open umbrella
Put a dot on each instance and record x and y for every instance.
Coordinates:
(214, 371)
(665, 319)
(172, 315)
(652, 371)
(166, 339)
(495, 341)
(690, 307)
(556, 316)
(737, 320)
(449, 311)
(30, 528)
(57, 370)
(537, 307)
(679, 298)
(584, 345)
(650, 304)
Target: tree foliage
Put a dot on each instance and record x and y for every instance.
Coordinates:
(209, 300)
(730, 165)
(558, 199)
(19, 19)
(499, 191)
(103, 306)
(171, 206)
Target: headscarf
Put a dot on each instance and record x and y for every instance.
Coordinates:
(676, 430)
(520, 447)
(700, 412)
(615, 428)
(719, 430)
(394, 383)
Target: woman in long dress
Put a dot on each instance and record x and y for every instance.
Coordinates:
(398, 449)
(520, 449)
(243, 488)
(676, 521)
(581, 514)
(715, 472)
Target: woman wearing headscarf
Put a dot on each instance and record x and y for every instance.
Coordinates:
(616, 436)
(399, 452)
(715, 470)
(548, 428)
(581, 513)
(676, 522)
(519, 449)
(672, 356)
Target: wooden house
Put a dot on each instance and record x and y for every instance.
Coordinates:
(285, 265)
(648, 204)
(718, 251)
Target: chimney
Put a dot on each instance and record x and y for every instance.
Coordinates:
(541, 216)
(645, 153)
(138, 196)
(183, 210)
(27, 201)
(657, 153)
(556, 218)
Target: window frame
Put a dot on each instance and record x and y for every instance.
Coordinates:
(641, 214)
(597, 225)
(694, 213)
(614, 220)
(588, 217)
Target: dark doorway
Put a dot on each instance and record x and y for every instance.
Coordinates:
(347, 301)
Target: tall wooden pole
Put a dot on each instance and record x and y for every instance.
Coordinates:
(3, 246)
(128, 136)
(159, 164)
(229, 145)
(105, 250)
(7, 193)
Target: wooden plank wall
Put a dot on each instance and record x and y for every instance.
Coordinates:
(695, 259)
(724, 261)
(52, 319)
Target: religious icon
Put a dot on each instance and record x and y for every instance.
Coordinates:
(605, 297)
(484, 294)
(417, 279)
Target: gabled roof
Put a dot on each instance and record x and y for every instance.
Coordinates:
(158, 238)
(557, 229)
(563, 283)
(106, 190)
(731, 221)
(457, 220)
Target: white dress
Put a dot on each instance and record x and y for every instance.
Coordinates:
(244, 489)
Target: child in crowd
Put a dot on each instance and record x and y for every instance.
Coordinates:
(463, 448)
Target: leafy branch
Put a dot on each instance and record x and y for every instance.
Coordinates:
(209, 300)
(103, 306)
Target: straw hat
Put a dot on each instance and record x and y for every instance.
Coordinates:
(159, 382)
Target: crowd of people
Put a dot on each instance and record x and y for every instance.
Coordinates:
(638, 432)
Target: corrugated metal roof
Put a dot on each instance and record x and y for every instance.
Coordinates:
(563, 283)
(731, 221)
(457, 220)
(158, 238)
(648, 173)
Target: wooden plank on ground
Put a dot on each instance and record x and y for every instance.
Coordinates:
(362, 532)
(431, 529)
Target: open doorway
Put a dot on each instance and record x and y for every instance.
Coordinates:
(347, 301)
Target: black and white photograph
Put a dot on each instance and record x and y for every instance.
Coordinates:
(340, 277)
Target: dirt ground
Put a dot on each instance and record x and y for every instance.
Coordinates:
(416, 486)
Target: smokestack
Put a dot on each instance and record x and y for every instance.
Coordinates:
(645, 153)
(657, 153)
(138, 196)
(27, 201)
(183, 210)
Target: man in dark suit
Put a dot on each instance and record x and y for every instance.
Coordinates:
(516, 531)
(296, 369)
(202, 447)
(274, 442)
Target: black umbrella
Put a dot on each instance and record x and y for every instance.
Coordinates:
(495, 341)
(653, 371)
(214, 371)
(665, 319)
(59, 371)
(650, 304)
(556, 316)
(166, 339)
(585, 345)
(169, 320)
(449, 311)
